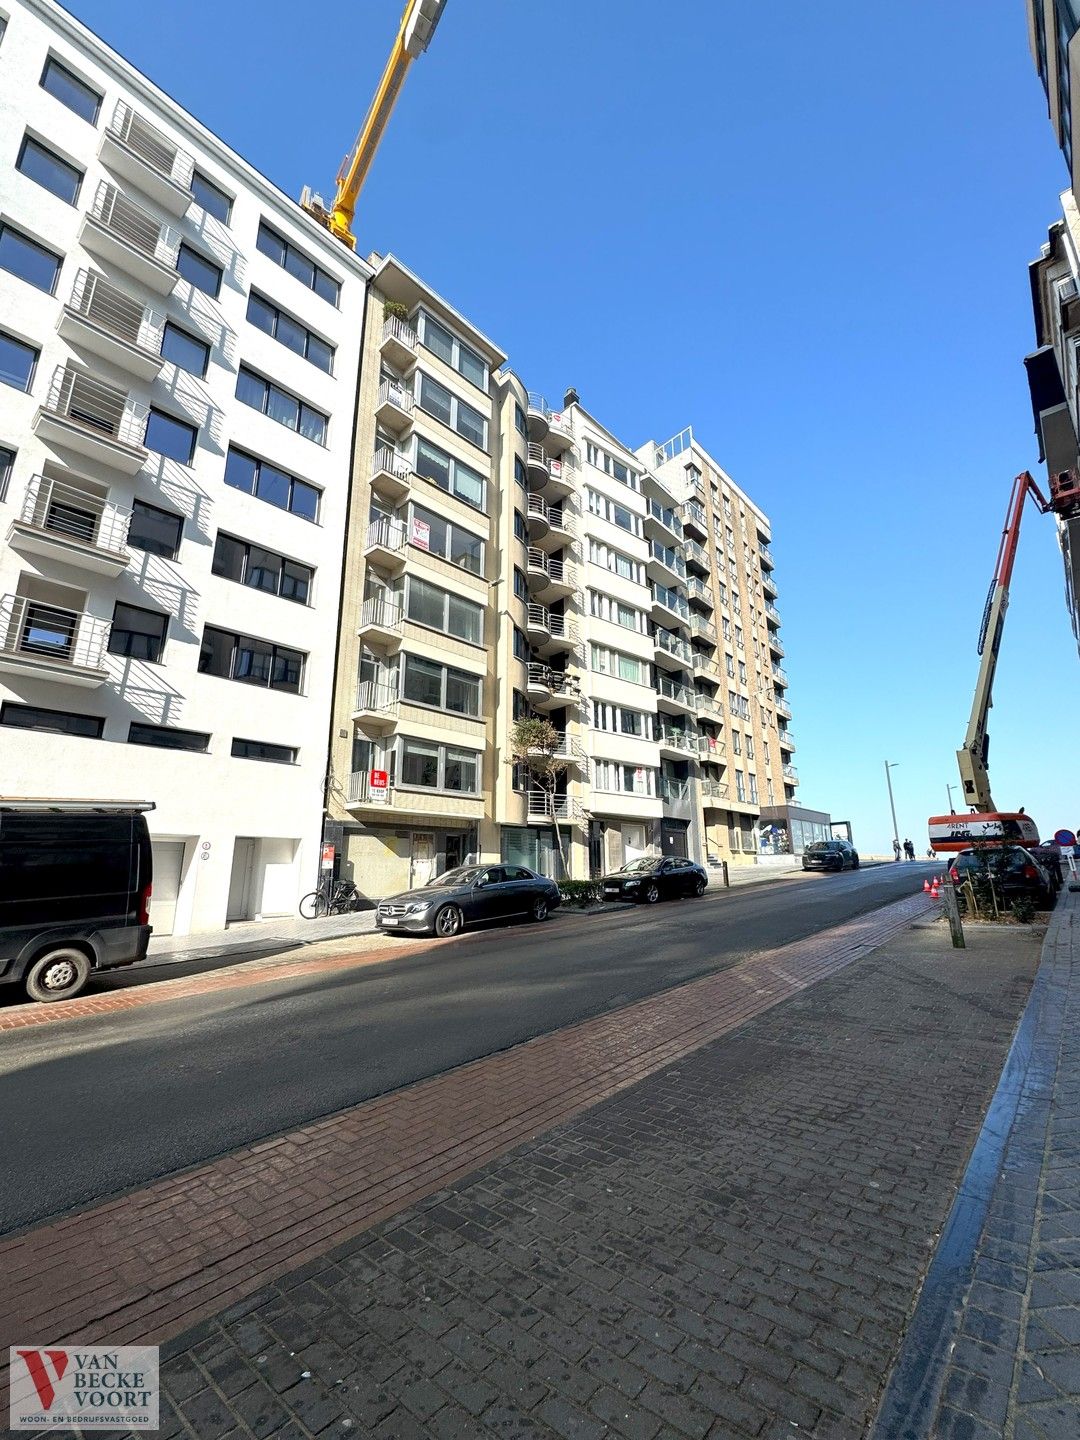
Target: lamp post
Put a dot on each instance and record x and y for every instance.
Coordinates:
(891, 765)
(950, 789)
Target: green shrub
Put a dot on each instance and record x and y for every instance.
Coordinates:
(579, 893)
(394, 309)
(1023, 909)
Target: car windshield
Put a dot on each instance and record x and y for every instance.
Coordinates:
(635, 867)
(464, 875)
(821, 845)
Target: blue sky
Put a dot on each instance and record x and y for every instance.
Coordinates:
(804, 230)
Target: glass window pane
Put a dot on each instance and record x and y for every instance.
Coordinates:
(320, 353)
(240, 471)
(271, 244)
(60, 722)
(40, 164)
(214, 201)
(66, 87)
(295, 582)
(7, 463)
(282, 407)
(470, 424)
(300, 266)
(472, 367)
(170, 437)
(462, 693)
(198, 271)
(28, 260)
(437, 529)
(260, 313)
(17, 362)
(466, 549)
(215, 656)
(229, 557)
(438, 340)
(291, 333)
(251, 389)
(137, 633)
(312, 425)
(327, 287)
(469, 486)
(461, 770)
(262, 750)
(185, 350)
(435, 398)
(419, 763)
(465, 620)
(166, 738)
(274, 486)
(422, 681)
(155, 531)
(263, 570)
(254, 661)
(433, 464)
(425, 603)
(304, 501)
(288, 670)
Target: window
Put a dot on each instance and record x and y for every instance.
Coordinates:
(449, 474)
(426, 682)
(521, 645)
(455, 352)
(37, 162)
(214, 201)
(749, 747)
(521, 425)
(279, 405)
(58, 722)
(7, 464)
(616, 778)
(614, 513)
(290, 332)
(156, 531)
(605, 607)
(139, 634)
(451, 542)
(261, 569)
(521, 530)
(615, 663)
(424, 763)
(170, 437)
(618, 720)
(437, 400)
(17, 362)
(263, 750)
(28, 260)
(740, 785)
(736, 743)
(199, 271)
(267, 482)
(184, 350)
(742, 672)
(610, 466)
(519, 472)
(285, 254)
(521, 585)
(617, 562)
(64, 85)
(167, 738)
(427, 604)
(253, 662)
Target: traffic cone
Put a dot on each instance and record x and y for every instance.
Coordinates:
(926, 886)
(934, 892)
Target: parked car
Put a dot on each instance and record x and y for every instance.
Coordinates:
(653, 878)
(830, 855)
(75, 884)
(467, 896)
(1049, 857)
(1015, 872)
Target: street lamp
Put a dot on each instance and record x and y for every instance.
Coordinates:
(950, 789)
(891, 765)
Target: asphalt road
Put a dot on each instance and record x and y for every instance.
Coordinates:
(97, 1106)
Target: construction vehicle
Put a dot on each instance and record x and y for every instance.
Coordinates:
(417, 26)
(984, 822)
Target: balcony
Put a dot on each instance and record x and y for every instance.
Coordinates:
(694, 520)
(537, 514)
(771, 613)
(376, 707)
(398, 343)
(669, 604)
(782, 708)
(41, 641)
(145, 155)
(703, 629)
(791, 775)
(671, 649)
(711, 749)
(394, 406)
(114, 325)
(539, 463)
(707, 668)
(665, 564)
(766, 556)
(774, 644)
(563, 635)
(545, 472)
(384, 544)
(95, 419)
(428, 805)
(543, 806)
(779, 676)
(550, 575)
(709, 704)
(769, 586)
(538, 624)
(381, 621)
(74, 524)
(568, 749)
(713, 793)
(696, 556)
(663, 524)
(537, 413)
(698, 592)
(675, 795)
(675, 741)
(122, 233)
(672, 696)
(787, 740)
(560, 518)
(391, 475)
(548, 688)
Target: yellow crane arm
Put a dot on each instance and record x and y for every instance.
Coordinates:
(418, 24)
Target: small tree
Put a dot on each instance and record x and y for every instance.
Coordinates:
(395, 310)
(535, 744)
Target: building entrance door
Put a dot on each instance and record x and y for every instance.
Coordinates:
(422, 860)
(168, 866)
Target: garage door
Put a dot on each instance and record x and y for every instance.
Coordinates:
(168, 865)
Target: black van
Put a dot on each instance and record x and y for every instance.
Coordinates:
(74, 891)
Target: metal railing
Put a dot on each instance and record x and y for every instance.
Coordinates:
(30, 628)
(561, 628)
(151, 145)
(769, 584)
(714, 790)
(674, 792)
(779, 676)
(135, 226)
(783, 708)
(772, 613)
(697, 590)
(672, 644)
(389, 462)
(394, 328)
(538, 673)
(537, 455)
(543, 805)
(666, 517)
(775, 645)
(537, 507)
(539, 617)
(392, 392)
(766, 554)
(115, 311)
(537, 559)
(387, 534)
(787, 740)
(703, 629)
(711, 747)
(707, 669)
(671, 600)
(560, 518)
(375, 696)
(677, 739)
(75, 513)
(379, 610)
(103, 409)
(360, 789)
(790, 773)
(695, 512)
(697, 553)
(680, 694)
(667, 557)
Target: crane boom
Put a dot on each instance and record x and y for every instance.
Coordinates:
(972, 757)
(418, 22)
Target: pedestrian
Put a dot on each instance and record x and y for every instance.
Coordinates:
(896, 849)
(909, 849)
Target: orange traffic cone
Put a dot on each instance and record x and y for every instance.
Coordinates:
(934, 892)
(926, 886)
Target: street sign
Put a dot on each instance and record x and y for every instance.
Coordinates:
(1064, 837)
(327, 861)
(379, 786)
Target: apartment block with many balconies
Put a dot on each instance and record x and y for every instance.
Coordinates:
(178, 376)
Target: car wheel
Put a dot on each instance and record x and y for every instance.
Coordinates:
(58, 974)
(700, 886)
(539, 909)
(855, 863)
(651, 893)
(448, 921)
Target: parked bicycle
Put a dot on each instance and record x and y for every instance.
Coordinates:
(338, 898)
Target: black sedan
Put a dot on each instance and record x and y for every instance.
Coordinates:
(830, 855)
(1014, 872)
(467, 896)
(653, 878)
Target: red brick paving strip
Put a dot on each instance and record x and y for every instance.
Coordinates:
(145, 1266)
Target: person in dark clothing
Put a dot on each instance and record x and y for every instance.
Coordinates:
(909, 849)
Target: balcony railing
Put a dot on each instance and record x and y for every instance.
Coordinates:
(135, 226)
(392, 392)
(783, 708)
(711, 747)
(695, 514)
(766, 555)
(680, 694)
(787, 740)
(673, 644)
(677, 739)
(714, 790)
(360, 792)
(698, 590)
(389, 462)
(773, 614)
(779, 676)
(696, 554)
(666, 517)
(791, 774)
(151, 145)
(32, 629)
(674, 792)
(545, 806)
(667, 557)
(381, 612)
(75, 513)
(400, 331)
(376, 696)
(103, 409)
(671, 600)
(703, 629)
(115, 311)
(386, 534)
(560, 517)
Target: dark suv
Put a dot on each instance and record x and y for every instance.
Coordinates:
(830, 855)
(1015, 872)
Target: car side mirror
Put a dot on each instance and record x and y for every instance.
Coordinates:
(479, 883)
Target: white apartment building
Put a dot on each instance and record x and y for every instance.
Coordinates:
(179, 351)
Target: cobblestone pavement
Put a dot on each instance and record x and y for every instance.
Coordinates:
(1015, 1368)
(730, 1248)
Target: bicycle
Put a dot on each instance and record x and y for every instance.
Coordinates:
(341, 898)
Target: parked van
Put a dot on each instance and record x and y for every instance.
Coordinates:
(75, 879)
